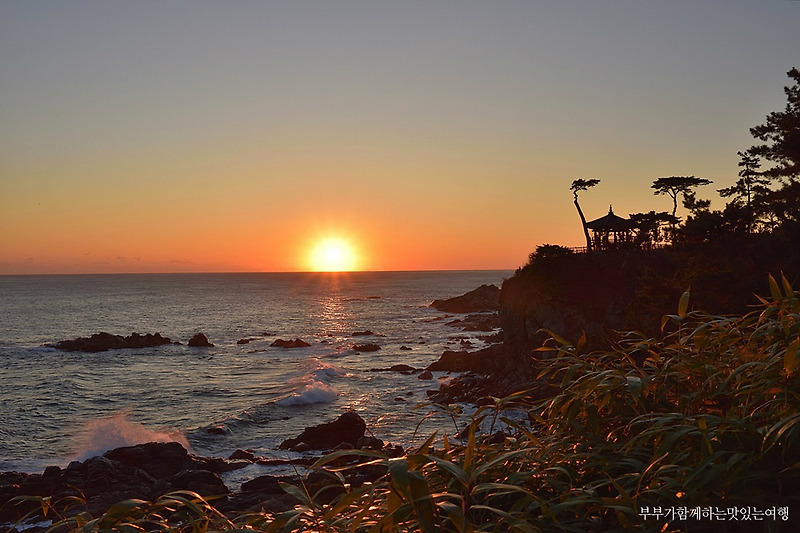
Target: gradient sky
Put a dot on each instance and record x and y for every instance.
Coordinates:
(229, 136)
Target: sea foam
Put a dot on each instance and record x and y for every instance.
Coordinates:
(116, 431)
(313, 392)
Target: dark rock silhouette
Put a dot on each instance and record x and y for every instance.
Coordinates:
(366, 347)
(296, 343)
(348, 428)
(101, 342)
(200, 341)
(145, 471)
(243, 341)
(484, 298)
(427, 374)
(362, 333)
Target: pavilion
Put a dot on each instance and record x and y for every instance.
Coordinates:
(610, 231)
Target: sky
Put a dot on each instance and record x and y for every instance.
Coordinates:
(236, 136)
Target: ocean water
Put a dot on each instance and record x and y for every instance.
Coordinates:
(58, 406)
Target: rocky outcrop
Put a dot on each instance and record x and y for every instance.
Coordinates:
(484, 298)
(370, 347)
(296, 343)
(101, 342)
(200, 341)
(480, 361)
(347, 429)
(145, 471)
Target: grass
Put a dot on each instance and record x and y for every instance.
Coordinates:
(705, 415)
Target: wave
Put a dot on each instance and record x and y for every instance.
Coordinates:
(313, 392)
(116, 431)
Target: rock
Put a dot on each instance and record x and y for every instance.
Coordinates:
(405, 348)
(482, 322)
(362, 333)
(370, 443)
(427, 374)
(246, 455)
(217, 430)
(101, 342)
(266, 484)
(366, 347)
(402, 368)
(296, 343)
(484, 298)
(144, 471)
(243, 341)
(349, 427)
(200, 341)
(199, 481)
(481, 361)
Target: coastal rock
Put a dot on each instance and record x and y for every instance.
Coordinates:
(245, 455)
(427, 374)
(145, 471)
(362, 333)
(481, 361)
(366, 347)
(348, 428)
(484, 298)
(243, 341)
(101, 342)
(483, 322)
(200, 341)
(296, 343)
(405, 348)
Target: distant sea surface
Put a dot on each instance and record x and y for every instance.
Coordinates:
(58, 406)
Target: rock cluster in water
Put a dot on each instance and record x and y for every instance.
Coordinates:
(296, 343)
(148, 471)
(101, 342)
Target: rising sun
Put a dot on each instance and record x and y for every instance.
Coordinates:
(333, 255)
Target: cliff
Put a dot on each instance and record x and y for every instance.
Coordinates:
(601, 292)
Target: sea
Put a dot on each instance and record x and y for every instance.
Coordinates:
(58, 406)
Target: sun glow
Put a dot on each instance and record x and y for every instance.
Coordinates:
(333, 255)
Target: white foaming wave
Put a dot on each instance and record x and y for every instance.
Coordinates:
(116, 431)
(313, 392)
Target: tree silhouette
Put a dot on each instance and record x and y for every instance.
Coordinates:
(678, 185)
(582, 185)
(781, 135)
(751, 184)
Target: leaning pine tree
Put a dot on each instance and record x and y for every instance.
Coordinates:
(582, 185)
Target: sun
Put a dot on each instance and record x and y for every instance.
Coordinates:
(333, 255)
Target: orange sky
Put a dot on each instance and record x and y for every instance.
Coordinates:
(188, 137)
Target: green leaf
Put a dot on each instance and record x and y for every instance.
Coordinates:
(774, 290)
(787, 287)
(683, 304)
(791, 359)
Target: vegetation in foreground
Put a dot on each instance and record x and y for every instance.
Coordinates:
(707, 415)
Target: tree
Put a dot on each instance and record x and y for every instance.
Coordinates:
(678, 185)
(582, 185)
(781, 135)
(648, 228)
(751, 184)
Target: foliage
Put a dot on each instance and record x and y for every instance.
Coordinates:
(649, 228)
(674, 186)
(781, 135)
(708, 415)
(549, 251)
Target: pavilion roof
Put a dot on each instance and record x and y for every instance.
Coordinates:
(609, 222)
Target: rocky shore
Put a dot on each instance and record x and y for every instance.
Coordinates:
(147, 471)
